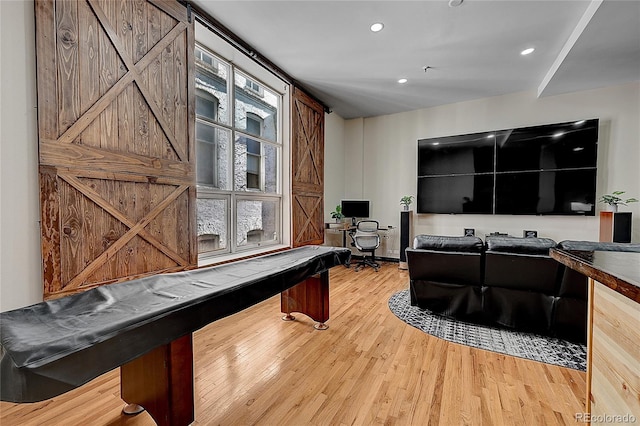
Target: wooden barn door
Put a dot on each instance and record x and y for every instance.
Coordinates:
(115, 122)
(307, 209)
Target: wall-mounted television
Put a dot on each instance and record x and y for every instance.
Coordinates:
(355, 208)
(540, 170)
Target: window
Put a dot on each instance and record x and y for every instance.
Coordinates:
(254, 124)
(206, 105)
(238, 158)
(256, 114)
(211, 142)
(212, 87)
(213, 223)
(253, 164)
(254, 87)
(206, 60)
(259, 218)
(253, 151)
(212, 153)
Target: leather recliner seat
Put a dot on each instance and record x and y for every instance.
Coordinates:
(520, 282)
(446, 275)
(507, 281)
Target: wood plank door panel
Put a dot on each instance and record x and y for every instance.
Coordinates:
(307, 209)
(116, 144)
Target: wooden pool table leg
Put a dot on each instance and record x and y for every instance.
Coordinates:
(161, 381)
(310, 297)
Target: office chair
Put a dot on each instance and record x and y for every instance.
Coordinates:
(366, 240)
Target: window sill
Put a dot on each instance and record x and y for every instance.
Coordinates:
(214, 260)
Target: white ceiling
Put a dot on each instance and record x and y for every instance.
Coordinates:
(473, 50)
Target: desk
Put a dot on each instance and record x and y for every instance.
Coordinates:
(346, 231)
(342, 227)
(613, 337)
(349, 228)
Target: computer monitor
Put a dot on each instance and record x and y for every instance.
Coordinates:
(355, 208)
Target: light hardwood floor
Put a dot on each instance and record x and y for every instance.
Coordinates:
(367, 368)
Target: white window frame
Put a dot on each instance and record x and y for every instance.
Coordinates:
(238, 61)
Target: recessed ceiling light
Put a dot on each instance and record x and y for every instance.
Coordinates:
(455, 3)
(402, 81)
(527, 51)
(378, 26)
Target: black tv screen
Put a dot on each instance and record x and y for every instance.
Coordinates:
(456, 194)
(355, 208)
(551, 147)
(558, 192)
(539, 170)
(463, 154)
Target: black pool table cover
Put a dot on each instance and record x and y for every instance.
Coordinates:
(52, 347)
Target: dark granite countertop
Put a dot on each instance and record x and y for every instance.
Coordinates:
(619, 271)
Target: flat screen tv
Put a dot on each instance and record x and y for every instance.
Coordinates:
(455, 155)
(552, 192)
(552, 147)
(456, 194)
(539, 170)
(355, 208)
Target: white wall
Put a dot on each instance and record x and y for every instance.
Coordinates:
(386, 146)
(20, 259)
(334, 163)
(353, 185)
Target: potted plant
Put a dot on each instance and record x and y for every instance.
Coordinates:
(406, 201)
(614, 200)
(337, 213)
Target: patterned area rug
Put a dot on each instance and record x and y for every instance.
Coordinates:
(523, 345)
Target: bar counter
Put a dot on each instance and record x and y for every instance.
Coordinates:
(613, 333)
(620, 271)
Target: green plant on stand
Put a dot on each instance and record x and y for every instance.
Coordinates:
(406, 201)
(337, 213)
(614, 200)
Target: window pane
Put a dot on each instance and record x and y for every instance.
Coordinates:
(212, 77)
(254, 125)
(270, 154)
(253, 164)
(256, 165)
(212, 224)
(254, 102)
(206, 106)
(246, 165)
(253, 146)
(257, 222)
(212, 156)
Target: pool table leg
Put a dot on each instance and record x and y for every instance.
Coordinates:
(310, 297)
(161, 381)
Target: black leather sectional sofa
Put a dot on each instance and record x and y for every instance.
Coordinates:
(505, 281)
